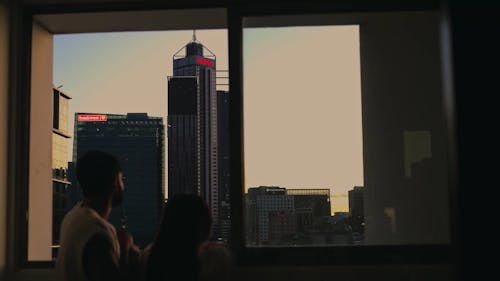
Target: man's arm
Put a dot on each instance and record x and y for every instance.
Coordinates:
(98, 260)
(130, 255)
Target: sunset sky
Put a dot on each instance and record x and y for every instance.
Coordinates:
(302, 95)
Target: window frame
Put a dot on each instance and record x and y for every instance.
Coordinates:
(306, 256)
(19, 136)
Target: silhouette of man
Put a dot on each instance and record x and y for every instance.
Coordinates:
(90, 246)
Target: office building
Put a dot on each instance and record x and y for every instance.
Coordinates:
(268, 209)
(356, 208)
(310, 205)
(223, 226)
(278, 215)
(137, 140)
(60, 178)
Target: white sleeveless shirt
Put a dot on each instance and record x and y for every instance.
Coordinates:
(77, 228)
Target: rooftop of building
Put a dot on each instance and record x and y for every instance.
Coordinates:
(110, 116)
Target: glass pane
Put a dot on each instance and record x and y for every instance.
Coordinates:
(303, 135)
(343, 134)
(159, 102)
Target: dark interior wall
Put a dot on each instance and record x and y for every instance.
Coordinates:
(4, 77)
(473, 84)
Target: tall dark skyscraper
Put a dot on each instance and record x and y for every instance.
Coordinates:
(183, 168)
(137, 140)
(192, 117)
(223, 226)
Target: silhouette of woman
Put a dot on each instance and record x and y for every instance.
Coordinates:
(185, 225)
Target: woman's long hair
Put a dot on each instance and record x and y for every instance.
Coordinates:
(185, 224)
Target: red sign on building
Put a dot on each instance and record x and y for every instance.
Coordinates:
(92, 118)
(206, 62)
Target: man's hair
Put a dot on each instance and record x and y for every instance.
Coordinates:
(96, 172)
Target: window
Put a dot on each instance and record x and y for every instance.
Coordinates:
(138, 72)
(108, 81)
(303, 134)
(399, 101)
(374, 94)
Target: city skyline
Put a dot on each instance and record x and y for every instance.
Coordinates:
(106, 72)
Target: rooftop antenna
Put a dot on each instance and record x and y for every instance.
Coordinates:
(194, 35)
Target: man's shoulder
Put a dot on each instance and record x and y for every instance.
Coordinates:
(85, 218)
(82, 224)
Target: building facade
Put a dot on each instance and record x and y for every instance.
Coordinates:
(310, 205)
(183, 166)
(137, 140)
(223, 226)
(270, 213)
(356, 208)
(60, 178)
(280, 216)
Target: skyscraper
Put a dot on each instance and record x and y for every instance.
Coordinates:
(137, 140)
(183, 166)
(196, 61)
(223, 226)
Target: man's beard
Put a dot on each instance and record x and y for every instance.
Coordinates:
(117, 198)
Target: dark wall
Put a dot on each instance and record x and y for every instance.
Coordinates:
(473, 83)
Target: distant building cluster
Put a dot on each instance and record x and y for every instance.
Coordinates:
(291, 217)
